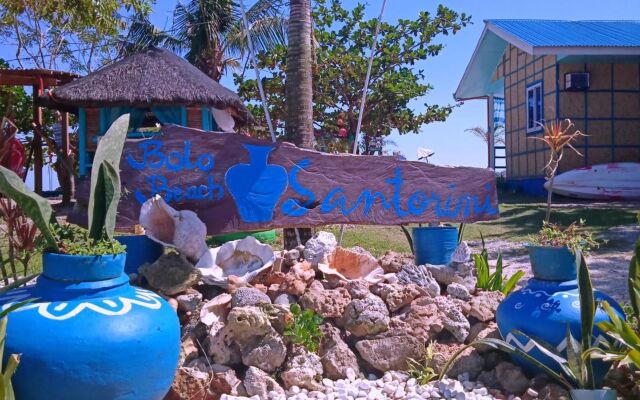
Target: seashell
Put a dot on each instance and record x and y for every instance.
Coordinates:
(182, 230)
(353, 264)
(243, 259)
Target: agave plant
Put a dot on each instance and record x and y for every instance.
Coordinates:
(558, 135)
(576, 365)
(493, 281)
(104, 195)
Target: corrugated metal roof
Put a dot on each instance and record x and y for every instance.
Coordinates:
(560, 33)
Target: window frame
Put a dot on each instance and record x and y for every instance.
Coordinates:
(540, 118)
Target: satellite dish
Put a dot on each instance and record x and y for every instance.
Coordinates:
(424, 153)
(224, 120)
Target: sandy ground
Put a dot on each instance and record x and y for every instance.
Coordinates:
(608, 265)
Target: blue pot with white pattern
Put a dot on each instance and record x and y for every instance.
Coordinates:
(544, 309)
(88, 334)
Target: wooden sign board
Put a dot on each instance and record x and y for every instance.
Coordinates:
(237, 183)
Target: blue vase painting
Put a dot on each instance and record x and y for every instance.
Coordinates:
(256, 186)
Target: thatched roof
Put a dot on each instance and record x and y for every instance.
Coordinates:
(152, 77)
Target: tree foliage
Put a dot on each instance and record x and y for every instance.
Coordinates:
(82, 34)
(211, 34)
(16, 104)
(342, 44)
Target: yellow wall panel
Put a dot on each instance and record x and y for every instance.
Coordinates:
(627, 155)
(600, 76)
(599, 105)
(627, 133)
(599, 133)
(626, 77)
(626, 105)
(549, 80)
(571, 104)
(599, 156)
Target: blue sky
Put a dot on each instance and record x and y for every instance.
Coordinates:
(451, 144)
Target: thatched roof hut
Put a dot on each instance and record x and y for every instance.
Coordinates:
(152, 77)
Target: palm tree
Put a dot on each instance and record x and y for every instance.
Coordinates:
(210, 33)
(298, 84)
(299, 90)
(485, 135)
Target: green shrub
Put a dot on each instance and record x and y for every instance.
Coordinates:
(572, 236)
(304, 328)
(493, 282)
(422, 369)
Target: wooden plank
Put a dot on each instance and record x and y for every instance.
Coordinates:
(237, 183)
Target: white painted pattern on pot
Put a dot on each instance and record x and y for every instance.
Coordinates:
(143, 298)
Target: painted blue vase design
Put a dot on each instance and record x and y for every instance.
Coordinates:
(544, 309)
(257, 186)
(90, 335)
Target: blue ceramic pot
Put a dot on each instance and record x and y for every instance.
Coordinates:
(140, 250)
(544, 309)
(257, 186)
(553, 263)
(434, 245)
(90, 335)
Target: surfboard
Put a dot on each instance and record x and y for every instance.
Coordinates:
(614, 181)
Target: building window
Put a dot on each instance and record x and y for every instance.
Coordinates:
(535, 110)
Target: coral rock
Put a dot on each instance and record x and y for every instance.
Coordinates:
(419, 276)
(327, 303)
(483, 305)
(470, 361)
(216, 310)
(171, 274)
(189, 300)
(459, 291)
(190, 384)
(335, 354)
(367, 316)
(304, 370)
(390, 353)
(319, 247)
(423, 321)
(392, 262)
(221, 347)
(245, 323)
(259, 383)
(396, 295)
(462, 253)
(246, 296)
(267, 352)
(483, 330)
(511, 378)
(453, 319)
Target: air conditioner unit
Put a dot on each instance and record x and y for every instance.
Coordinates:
(576, 81)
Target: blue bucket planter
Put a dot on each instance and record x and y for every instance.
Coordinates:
(434, 245)
(90, 335)
(140, 250)
(557, 264)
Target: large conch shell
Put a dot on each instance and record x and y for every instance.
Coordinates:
(353, 264)
(243, 259)
(182, 230)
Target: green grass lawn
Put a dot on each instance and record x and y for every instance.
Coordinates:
(516, 223)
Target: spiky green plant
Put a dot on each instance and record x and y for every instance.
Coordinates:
(493, 281)
(104, 195)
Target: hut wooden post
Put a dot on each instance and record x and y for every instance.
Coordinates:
(37, 141)
(67, 181)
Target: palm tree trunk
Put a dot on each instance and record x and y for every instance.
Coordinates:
(299, 90)
(298, 84)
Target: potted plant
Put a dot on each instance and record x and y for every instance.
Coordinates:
(550, 255)
(573, 367)
(552, 252)
(89, 334)
(146, 250)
